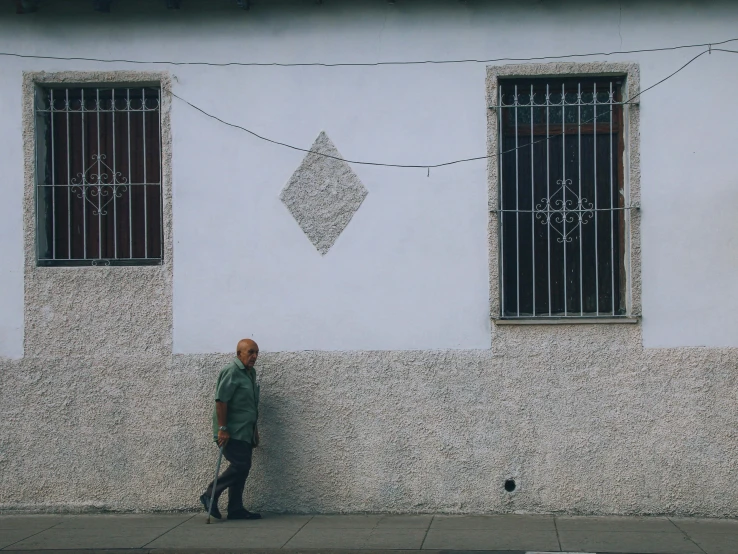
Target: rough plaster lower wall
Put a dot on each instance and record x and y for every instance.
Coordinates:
(582, 417)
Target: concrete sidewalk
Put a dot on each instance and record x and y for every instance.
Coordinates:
(514, 534)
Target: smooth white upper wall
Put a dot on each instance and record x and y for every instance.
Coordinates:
(411, 269)
(11, 211)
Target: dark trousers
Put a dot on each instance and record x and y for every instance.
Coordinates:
(238, 453)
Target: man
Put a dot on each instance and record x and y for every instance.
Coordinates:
(234, 428)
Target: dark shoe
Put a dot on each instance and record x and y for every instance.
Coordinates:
(205, 499)
(243, 514)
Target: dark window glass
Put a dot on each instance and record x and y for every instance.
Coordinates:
(561, 197)
(98, 190)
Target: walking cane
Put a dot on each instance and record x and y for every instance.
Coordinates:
(215, 483)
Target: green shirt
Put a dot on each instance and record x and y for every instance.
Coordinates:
(237, 387)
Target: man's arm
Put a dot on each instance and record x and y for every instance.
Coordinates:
(221, 411)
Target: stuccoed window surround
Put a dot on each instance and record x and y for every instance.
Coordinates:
(548, 261)
(91, 310)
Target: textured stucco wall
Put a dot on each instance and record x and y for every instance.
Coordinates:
(582, 417)
(323, 194)
(100, 414)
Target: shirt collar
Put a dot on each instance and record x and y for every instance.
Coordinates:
(240, 365)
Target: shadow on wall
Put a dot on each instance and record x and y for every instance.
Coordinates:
(275, 461)
(298, 466)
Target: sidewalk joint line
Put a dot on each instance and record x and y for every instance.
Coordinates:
(558, 538)
(29, 536)
(168, 530)
(376, 525)
(690, 539)
(426, 532)
(295, 533)
(371, 531)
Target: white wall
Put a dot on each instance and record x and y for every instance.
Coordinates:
(411, 269)
(11, 214)
(690, 185)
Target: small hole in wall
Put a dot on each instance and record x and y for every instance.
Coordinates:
(510, 485)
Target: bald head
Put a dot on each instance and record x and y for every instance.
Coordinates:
(247, 351)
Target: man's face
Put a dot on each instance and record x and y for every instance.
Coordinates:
(248, 353)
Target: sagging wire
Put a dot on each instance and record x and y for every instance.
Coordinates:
(428, 167)
(369, 64)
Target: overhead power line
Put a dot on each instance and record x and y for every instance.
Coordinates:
(368, 64)
(422, 166)
(710, 48)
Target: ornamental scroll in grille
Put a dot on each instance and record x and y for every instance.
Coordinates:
(575, 211)
(99, 188)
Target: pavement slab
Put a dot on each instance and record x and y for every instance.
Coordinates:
(628, 541)
(86, 551)
(405, 522)
(708, 526)
(716, 543)
(12, 536)
(187, 533)
(122, 522)
(89, 538)
(221, 536)
(275, 551)
(486, 539)
(713, 536)
(344, 522)
(358, 539)
(504, 522)
(349, 539)
(406, 539)
(615, 523)
(28, 522)
(268, 521)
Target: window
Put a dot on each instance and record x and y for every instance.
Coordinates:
(561, 198)
(98, 176)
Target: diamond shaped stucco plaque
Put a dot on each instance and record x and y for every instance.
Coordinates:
(323, 194)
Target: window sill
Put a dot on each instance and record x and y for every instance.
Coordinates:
(565, 320)
(100, 262)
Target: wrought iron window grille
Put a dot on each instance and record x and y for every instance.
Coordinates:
(98, 176)
(562, 212)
